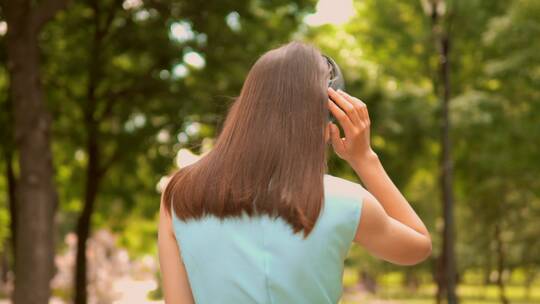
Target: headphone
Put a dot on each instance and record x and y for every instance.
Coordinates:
(336, 81)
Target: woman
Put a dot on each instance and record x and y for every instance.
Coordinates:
(258, 220)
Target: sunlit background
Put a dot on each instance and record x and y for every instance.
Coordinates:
(138, 89)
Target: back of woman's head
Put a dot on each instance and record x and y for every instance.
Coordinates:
(270, 157)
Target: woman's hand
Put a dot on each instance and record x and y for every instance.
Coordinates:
(352, 115)
(389, 227)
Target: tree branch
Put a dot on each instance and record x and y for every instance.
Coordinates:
(117, 4)
(111, 98)
(46, 10)
(115, 156)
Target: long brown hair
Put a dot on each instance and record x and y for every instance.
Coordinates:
(270, 157)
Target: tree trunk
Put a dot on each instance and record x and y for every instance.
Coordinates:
(85, 219)
(4, 267)
(439, 279)
(8, 256)
(83, 231)
(36, 193)
(448, 255)
(368, 281)
(446, 281)
(500, 264)
(487, 271)
(95, 170)
(11, 180)
(11, 193)
(411, 282)
(529, 280)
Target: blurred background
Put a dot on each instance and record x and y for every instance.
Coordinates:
(100, 99)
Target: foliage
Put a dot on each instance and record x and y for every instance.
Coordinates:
(161, 75)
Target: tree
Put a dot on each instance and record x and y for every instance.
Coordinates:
(7, 150)
(36, 193)
(446, 279)
(121, 85)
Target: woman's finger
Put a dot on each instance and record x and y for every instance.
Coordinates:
(342, 117)
(345, 105)
(337, 142)
(361, 106)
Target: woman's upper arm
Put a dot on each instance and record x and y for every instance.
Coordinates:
(387, 238)
(176, 288)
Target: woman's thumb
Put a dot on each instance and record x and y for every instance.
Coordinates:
(337, 142)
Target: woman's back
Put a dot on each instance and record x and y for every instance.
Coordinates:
(271, 156)
(260, 260)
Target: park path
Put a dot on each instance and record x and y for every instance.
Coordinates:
(130, 291)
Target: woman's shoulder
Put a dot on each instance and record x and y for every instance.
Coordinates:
(343, 208)
(341, 187)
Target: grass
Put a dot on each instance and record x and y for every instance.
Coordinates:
(390, 290)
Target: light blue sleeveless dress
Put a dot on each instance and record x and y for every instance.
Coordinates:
(259, 259)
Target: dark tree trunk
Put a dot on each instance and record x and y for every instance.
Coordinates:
(529, 280)
(487, 271)
(440, 280)
(448, 255)
(93, 175)
(96, 168)
(11, 180)
(368, 281)
(8, 256)
(500, 264)
(36, 193)
(84, 222)
(411, 282)
(4, 266)
(446, 266)
(9, 145)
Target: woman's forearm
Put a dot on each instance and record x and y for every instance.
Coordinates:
(378, 183)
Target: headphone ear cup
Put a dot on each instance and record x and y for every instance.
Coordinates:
(337, 81)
